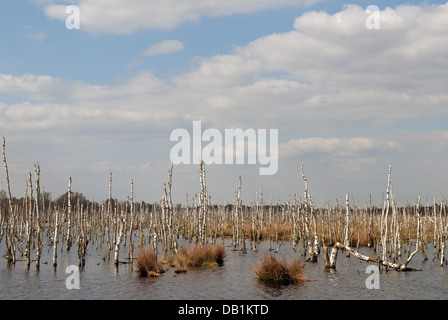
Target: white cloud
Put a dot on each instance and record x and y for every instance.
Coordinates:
(128, 16)
(134, 64)
(331, 75)
(335, 146)
(164, 47)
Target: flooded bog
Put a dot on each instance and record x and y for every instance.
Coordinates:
(234, 280)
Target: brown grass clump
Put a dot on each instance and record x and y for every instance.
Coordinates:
(147, 264)
(180, 263)
(199, 256)
(280, 270)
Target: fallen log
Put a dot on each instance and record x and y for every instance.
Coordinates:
(379, 262)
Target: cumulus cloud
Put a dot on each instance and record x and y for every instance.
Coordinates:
(73, 107)
(164, 47)
(329, 74)
(339, 50)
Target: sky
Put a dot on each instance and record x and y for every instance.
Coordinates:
(346, 100)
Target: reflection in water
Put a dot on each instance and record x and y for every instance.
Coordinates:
(275, 290)
(332, 276)
(100, 279)
(272, 289)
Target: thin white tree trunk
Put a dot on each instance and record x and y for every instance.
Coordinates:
(69, 212)
(55, 239)
(38, 224)
(347, 222)
(122, 221)
(312, 256)
(417, 245)
(384, 217)
(9, 239)
(333, 256)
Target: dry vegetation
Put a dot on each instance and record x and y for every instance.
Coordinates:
(199, 256)
(147, 264)
(279, 270)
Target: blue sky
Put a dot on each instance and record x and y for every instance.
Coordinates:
(346, 100)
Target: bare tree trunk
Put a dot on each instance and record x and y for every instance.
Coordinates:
(30, 227)
(109, 214)
(384, 218)
(131, 227)
(312, 255)
(55, 240)
(236, 215)
(417, 245)
(203, 203)
(39, 239)
(347, 223)
(69, 213)
(122, 220)
(333, 256)
(9, 241)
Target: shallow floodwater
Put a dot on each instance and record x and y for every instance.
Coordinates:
(234, 280)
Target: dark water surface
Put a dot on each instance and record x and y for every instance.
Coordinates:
(234, 280)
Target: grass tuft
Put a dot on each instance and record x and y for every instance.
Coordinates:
(199, 256)
(279, 270)
(147, 264)
(180, 263)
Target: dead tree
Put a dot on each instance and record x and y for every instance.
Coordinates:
(312, 253)
(385, 263)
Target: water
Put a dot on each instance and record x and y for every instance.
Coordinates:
(233, 281)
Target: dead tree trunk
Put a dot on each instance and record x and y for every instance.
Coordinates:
(9, 238)
(55, 240)
(347, 223)
(312, 255)
(385, 263)
(384, 218)
(39, 238)
(121, 220)
(69, 213)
